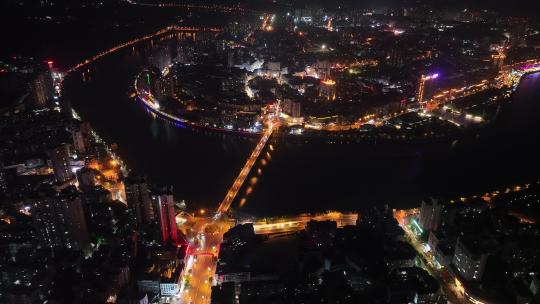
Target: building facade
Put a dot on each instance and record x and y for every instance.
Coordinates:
(59, 221)
(164, 202)
(469, 261)
(3, 180)
(138, 199)
(42, 89)
(59, 158)
(430, 215)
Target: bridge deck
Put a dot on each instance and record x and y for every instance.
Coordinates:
(239, 181)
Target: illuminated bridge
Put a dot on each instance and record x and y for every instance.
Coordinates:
(201, 257)
(213, 7)
(168, 30)
(239, 181)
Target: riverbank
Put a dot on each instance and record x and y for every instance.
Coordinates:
(344, 173)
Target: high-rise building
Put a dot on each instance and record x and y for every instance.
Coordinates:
(327, 90)
(239, 28)
(78, 140)
(430, 215)
(230, 59)
(221, 45)
(518, 28)
(161, 57)
(87, 178)
(86, 130)
(138, 198)
(42, 88)
(292, 107)
(59, 220)
(3, 181)
(73, 213)
(186, 52)
(470, 259)
(164, 202)
(205, 37)
(59, 158)
(396, 57)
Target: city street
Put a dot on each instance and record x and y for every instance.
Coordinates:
(200, 261)
(450, 290)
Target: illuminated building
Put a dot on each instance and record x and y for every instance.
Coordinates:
(42, 88)
(309, 15)
(327, 89)
(164, 202)
(230, 59)
(59, 158)
(170, 283)
(292, 107)
(396, 57)
(3, 181)
(161, 57)
(186, 52)
(517, 30)
(239, 236)
(239, 28)
(423, 288)
(273, 69)
(59, 221)
(233, 83)
(78, 141)
(322, 67)
(157, 85)
(138, 198)
(470, 258)
(87, 178)
(430, 215)
(204, 36)
(86, 130)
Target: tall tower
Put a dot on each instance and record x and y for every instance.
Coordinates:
(164, 202)
(60, 162)
(138, 198)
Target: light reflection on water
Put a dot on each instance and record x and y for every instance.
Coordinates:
(305, 176)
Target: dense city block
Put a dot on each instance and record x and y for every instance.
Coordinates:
(269, 152)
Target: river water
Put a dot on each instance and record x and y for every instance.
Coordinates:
(304, 176)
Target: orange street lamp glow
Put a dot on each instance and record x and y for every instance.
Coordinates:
(329, 82)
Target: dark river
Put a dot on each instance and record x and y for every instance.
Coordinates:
(306, 176)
